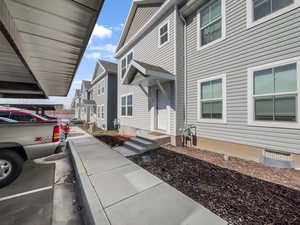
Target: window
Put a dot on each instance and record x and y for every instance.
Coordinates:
(273, 94)
(211, 23)
(212, 99)
(126, 105)
(129, 58)
(163, 34)
(99, 87)
(102, 112)
(22, 117)
(103, 89)
(126, 62)
(4, 114)
(263, 10)
(123, 67)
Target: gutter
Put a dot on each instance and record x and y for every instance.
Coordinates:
(161, 12)
(185, 66)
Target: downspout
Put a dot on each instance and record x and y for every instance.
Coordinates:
(185, 65)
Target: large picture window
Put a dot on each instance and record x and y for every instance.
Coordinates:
(126, 105)
(274, 94)
(212, 99)
(211, 23)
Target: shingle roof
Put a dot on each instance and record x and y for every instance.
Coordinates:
(109, 66)
(151, 67)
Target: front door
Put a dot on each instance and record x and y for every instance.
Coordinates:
(161, 111)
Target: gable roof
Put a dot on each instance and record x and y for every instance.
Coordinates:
(140, 13)
(109, 66)
(163, 9)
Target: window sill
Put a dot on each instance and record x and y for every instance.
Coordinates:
(212, 121)
(128, 117)
(202, 47)
(271, 124)
(160, 46)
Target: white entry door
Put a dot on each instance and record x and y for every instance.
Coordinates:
(162, 117)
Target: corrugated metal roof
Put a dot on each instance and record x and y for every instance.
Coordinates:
(45, 41)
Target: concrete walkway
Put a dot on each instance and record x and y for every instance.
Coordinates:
(115, 191)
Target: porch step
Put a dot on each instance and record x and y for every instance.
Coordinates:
(137, 145)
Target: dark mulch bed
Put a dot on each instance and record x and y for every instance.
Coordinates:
(237, 198)
(113, 140)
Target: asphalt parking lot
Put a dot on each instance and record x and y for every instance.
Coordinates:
(43, 195)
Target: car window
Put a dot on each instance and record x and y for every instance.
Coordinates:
(22, 117)
(4, 114)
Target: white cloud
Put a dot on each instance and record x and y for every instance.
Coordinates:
(107, 47)
(102, 32)
(93, 55)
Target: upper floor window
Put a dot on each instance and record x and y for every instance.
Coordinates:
(212, 99)
(274, 94)
(211, 23)
(129, 58)
(164, 34)
(262, 10)
(125, 63)
(103, 90)
(123, 66)
(99, 87)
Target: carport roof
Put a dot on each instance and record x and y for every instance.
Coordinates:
(42, 43)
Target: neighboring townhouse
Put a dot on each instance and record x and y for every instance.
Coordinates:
(76, 104)
(230, 68)
(87, 104)
(104, 87)
(150, 70)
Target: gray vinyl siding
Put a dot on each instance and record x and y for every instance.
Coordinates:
(147, 50)
(101, 100)
(271, 41)
(112, 98)
(142, 15)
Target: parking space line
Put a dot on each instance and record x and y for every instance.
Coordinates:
(25, 193)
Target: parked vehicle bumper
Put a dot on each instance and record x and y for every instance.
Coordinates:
(42, 150)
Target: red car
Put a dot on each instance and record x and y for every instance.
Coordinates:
(23, 116)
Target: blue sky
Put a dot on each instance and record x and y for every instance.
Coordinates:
(102, 44)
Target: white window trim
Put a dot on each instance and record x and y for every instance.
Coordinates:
(102, 109)
(163, 24)
(279, 124)
(125, 57)
(126, 116)
(223, 35)
(224, 104)
(250, 13)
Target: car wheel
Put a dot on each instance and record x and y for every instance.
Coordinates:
(11, 165)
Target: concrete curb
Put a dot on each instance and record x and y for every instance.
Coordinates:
(92, 211)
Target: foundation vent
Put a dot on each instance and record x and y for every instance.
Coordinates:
(278, 155)
(278, 159)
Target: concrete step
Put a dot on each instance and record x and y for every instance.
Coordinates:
(142, 141)
(125, 151)
(136, 147)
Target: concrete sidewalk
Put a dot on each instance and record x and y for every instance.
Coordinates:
(115, 191)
